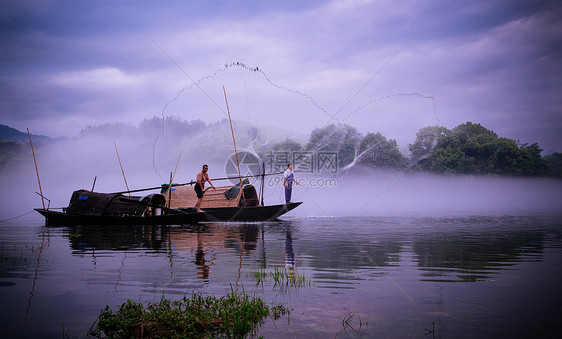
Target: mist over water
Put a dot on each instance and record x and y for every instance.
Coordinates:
(412, 194)
(75, 164)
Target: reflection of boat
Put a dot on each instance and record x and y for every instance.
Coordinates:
(94, 208)
(226, 203)
(199, 244)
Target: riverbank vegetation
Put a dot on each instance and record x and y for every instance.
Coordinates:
(232, 316)
(468, 148)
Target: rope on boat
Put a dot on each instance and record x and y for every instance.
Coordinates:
(19, 216)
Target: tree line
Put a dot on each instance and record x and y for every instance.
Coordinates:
(468, 148)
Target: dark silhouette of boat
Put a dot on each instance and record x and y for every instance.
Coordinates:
(93, 208)
(170, 207)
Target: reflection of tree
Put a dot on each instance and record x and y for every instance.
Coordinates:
(343, 253)
(338, 259)
(351, 255)
(472, 258)
(347, 254)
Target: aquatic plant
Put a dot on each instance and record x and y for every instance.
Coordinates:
(346, 322)
(430, 331)
(65, 330)
(282, 278)
(233, 316)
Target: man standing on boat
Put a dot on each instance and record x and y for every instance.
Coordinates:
(202, 177)
(288, 178)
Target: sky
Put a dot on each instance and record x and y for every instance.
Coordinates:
(381, 66)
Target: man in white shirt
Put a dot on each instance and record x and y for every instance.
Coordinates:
(288, 178)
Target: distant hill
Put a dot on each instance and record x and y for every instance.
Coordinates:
(8, 133)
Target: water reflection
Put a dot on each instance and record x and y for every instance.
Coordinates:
(116, 238)
(202, 265)
(449, 250)
(289, 253)
(203, 240)
(36, 274)
(464, 255)
(388, 270)
(472, 256)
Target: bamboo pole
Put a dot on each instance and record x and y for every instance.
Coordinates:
(36, 169)
(193, 182)
(177, 163)
(122, 171)
(172, 176)
(234, 142)
(262, 183)
(170, 191)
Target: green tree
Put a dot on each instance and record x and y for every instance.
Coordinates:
(288, 145)
(478, 143)
(375, 150)
(464, 132)
(506, 158)
(449, 159)
(554, 165)
(12, 153)
(342, 139)
(426, 142)
(473, 149)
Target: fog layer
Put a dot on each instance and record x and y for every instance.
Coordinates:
(148, 161)
(418, 194)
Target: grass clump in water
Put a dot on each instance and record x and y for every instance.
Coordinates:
(233, 316)
(282, 278)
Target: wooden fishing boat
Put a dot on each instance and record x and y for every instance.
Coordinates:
(92, 208)
(175, 204)
(226, 203)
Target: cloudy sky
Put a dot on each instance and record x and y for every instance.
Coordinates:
(381, 66)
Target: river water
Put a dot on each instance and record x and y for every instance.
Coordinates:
(471, 276)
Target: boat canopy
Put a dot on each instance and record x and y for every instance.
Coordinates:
(186, 197)
(84, 202)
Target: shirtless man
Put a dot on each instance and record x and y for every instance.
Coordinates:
(202, 177)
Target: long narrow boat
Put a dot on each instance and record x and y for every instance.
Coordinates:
(92, 208)
(53, 218)
(226, 203)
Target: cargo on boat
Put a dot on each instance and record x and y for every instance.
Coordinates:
(93, 208)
